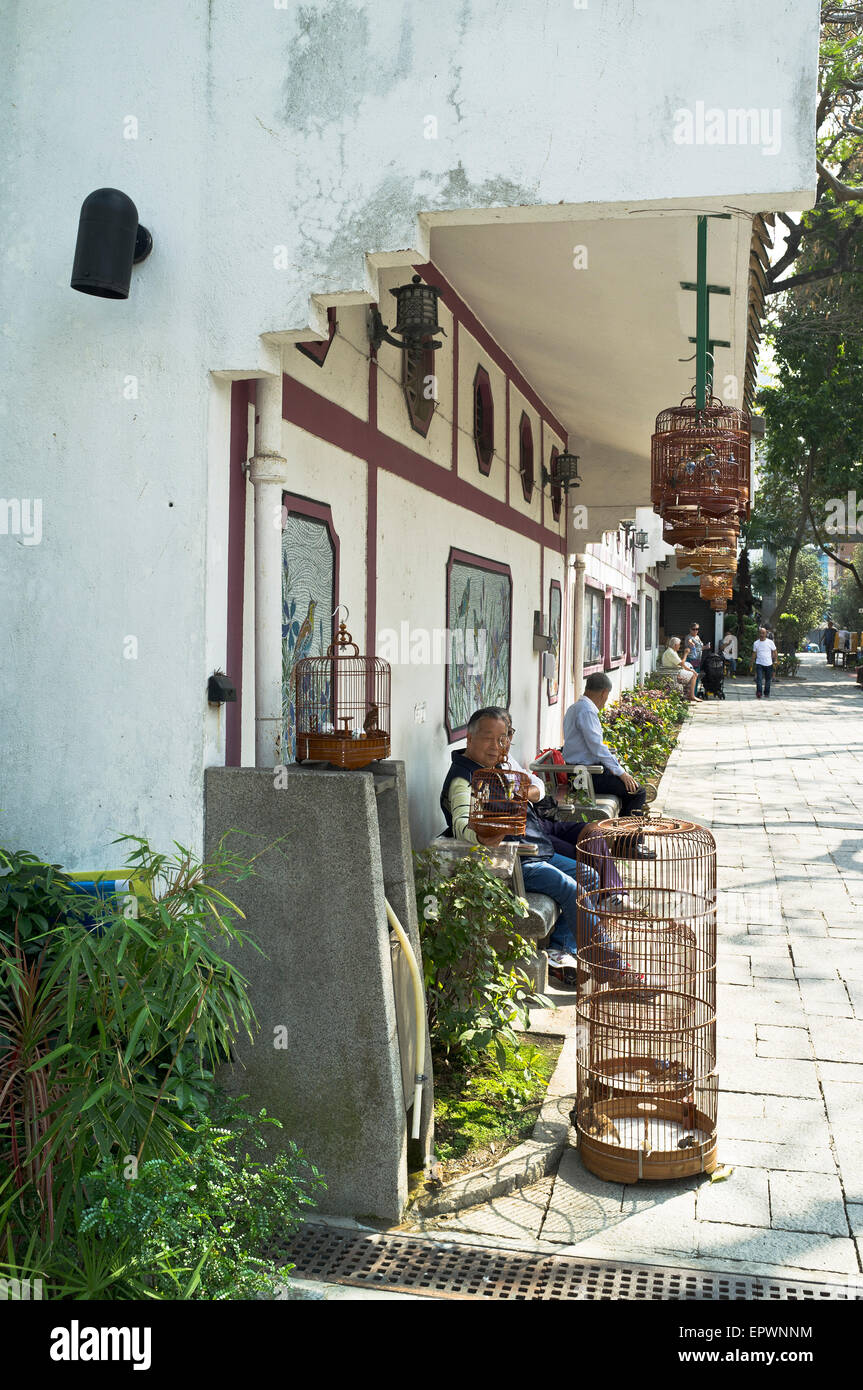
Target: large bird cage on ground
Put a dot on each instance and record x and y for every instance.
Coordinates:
(498, 801)
(700, 460)
(343, 706)
(647, 1086)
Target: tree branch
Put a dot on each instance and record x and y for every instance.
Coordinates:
(806, 277)
(843, 192)
(831, 554)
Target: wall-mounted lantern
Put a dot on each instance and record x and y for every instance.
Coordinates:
(642, 540)
(564, 471)
(416, 318)
(110, 241)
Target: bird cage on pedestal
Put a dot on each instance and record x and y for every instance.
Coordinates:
(498, 801)
(715, 586)
(701, 458)
(343, 706)
(647, 1086)
(719, 605)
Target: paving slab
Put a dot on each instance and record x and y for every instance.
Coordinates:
(808, 1202)
(743, 1199)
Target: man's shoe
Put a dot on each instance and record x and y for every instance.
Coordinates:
(758, 694)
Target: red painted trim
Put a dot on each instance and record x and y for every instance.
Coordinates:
(242, 395)
(315, 348)
(372, 518)
(539, 663)
(468, 318)
(325, 420)
(654, 583)
(465, 557)
(506, 490)
(454, 453)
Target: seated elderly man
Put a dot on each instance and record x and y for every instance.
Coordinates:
(686, 674)
(546, 872)
(583, 743)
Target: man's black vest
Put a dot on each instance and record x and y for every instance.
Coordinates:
(463, 766)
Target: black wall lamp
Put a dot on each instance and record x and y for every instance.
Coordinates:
(416, 318)
(564, 472)
(220, 689)
(110, 241)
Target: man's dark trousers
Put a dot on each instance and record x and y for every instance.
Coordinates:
(609, 784)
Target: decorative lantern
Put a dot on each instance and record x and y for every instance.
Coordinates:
(701, 458)
(343, 706)
(416, 318)
(647, 1086)
(498, 801)
(564, 471)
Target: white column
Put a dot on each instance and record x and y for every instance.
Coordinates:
(578, 628)
(268, 474)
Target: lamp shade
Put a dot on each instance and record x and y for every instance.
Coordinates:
(110, 242)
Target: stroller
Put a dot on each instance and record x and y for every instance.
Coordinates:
(713, 674)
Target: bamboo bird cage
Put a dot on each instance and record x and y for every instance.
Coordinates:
(343, 706)
(700, 460)
(498, 801)
(647, 1084)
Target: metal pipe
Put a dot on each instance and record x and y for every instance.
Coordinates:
(420, 1008)
(268, 474)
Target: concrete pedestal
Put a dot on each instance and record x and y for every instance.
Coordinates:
(326, 1061)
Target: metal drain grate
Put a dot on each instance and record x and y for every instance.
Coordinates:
(406, 1265)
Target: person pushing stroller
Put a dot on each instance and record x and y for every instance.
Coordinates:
(713, 674)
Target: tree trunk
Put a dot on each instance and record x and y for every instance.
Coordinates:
(797, 543)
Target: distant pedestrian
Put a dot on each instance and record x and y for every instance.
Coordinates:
(765, 650)
(828, 640)
(693, 649)
(728, 648)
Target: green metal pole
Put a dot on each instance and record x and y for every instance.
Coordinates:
(702, 302)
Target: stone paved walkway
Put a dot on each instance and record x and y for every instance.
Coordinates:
(780, 784)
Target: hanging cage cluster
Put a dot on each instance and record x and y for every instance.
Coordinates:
(498, 801)
(647, 1085)
(343, 706)
(700, 464)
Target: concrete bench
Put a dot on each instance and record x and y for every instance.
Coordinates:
(580, 781)
(505, 862)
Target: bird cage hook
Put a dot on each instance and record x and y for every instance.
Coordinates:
(336, 609)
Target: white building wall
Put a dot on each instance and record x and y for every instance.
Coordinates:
(274, 152)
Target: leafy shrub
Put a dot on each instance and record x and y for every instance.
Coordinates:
(109, 1039)
(788, 632)
(641, 727)
(477, 992)
(196, 1225)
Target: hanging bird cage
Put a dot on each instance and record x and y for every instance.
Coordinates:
(498, 801)
(713, 586)
(647, 1085)
(700, 459)
(343, 706)
(707, 563)
(719, 605)
(704, 534)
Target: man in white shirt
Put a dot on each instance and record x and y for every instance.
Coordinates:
(728, 647)
(765, 650)
(583, 743)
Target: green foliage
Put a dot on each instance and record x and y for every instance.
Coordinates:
(192, 1226)
(109, 1038)
(478, 993)
(788, 632)
(641, 727)
(490, 1103)
(847, 600)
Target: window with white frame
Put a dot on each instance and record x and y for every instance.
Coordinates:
(633, 635)
(648, 624)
